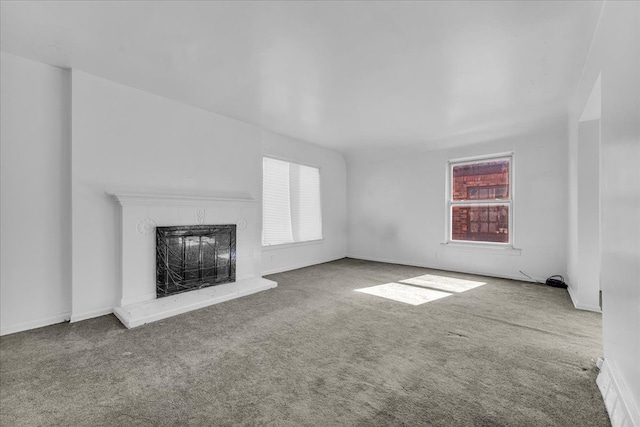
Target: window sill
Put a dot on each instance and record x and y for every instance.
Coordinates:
(292, 245)
(483, 248)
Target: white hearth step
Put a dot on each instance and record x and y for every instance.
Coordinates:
(151, 311)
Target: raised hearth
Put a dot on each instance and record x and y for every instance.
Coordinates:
(150, 311)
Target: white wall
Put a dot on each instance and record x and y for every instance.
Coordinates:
(585, 279)
(583, 250)
(333, 184)
(397, 207)
(35, 285)
(69, 136)
(615, 55)
(127, 138)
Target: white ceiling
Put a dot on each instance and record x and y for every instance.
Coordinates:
(345, 75)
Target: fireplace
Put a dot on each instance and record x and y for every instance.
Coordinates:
(194, 257)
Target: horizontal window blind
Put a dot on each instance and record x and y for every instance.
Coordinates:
(276, 207)
(291, 203)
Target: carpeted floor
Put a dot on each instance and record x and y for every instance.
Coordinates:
(314, 352)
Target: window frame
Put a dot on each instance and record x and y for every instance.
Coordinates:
(302, 242)
(450, 203)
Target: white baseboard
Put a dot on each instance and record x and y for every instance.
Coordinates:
(91, 314)
(440, 267)
(296, 266)
(581, 306)
(32, 324)
(622, 410)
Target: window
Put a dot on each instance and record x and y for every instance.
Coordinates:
(291, 209)
(480, 200)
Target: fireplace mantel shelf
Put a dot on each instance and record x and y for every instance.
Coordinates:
(128, 197)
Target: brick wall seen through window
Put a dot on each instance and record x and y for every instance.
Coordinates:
(480, 200)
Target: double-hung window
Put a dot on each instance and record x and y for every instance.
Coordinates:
(291, 210)
(480, 200)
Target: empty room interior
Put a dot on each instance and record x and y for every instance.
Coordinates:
(320, 213)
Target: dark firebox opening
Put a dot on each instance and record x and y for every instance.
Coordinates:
(194, 257)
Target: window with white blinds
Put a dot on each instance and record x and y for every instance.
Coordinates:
(291, 210)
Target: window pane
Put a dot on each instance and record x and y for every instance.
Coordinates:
(276, 208)
(291, 203)
(306, 215)
(480, 223)
(485, 180)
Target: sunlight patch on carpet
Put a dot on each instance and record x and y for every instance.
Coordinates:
(404, 293)
(448, 284)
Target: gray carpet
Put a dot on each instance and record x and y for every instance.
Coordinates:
(314, 352)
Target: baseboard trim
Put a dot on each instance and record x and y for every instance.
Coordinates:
(621, 408)
(442, 268)
(33, 324)
(91, 314)
(297, 266)
(580, 306)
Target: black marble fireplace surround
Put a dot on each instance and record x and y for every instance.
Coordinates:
(194, 257)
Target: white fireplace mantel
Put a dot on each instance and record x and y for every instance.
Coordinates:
(127, 198)
(142, 212)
